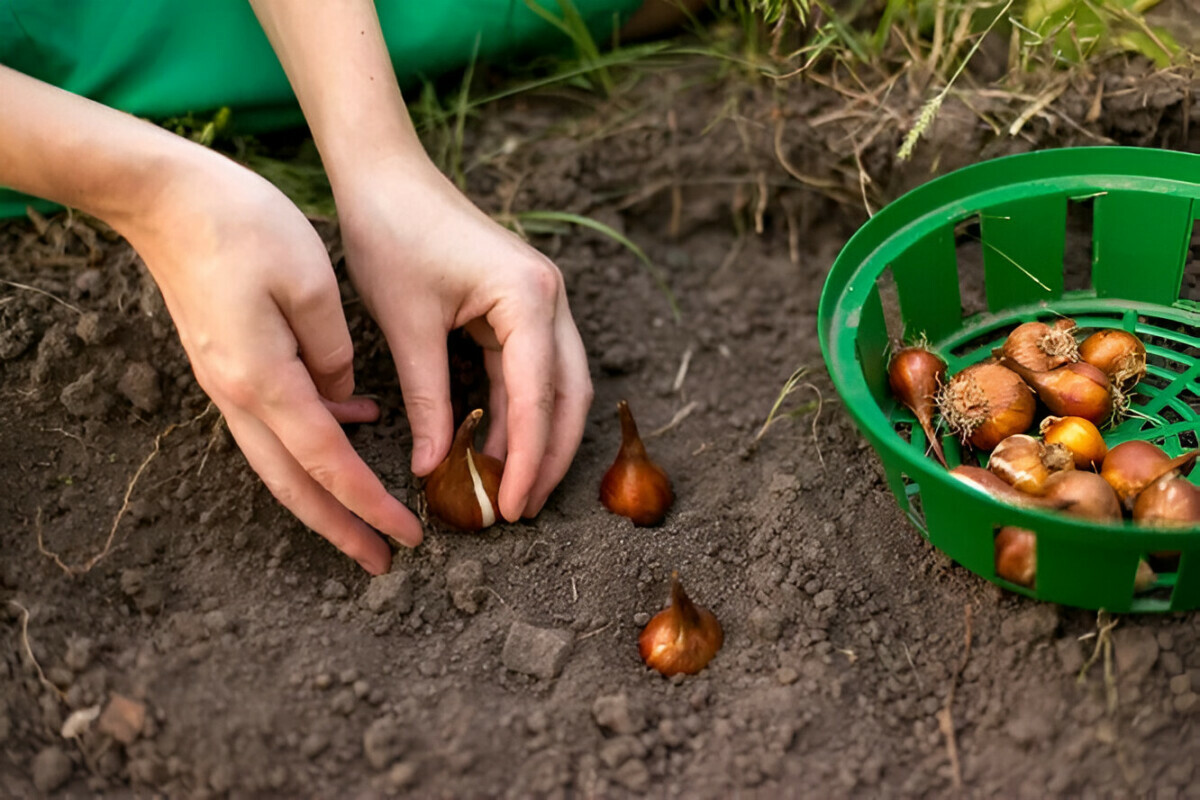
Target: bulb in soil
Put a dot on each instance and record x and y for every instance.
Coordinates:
(634, 485)
(462, 490)
(682, 638)
(985, 404)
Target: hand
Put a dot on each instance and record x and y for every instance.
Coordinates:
(426, 261)
(250, 287)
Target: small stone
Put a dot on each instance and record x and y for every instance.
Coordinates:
(766, 623)
(1136, 651)
(614, 713)
(391, 591)
(619, 749)
(348, 676)
(541, 652)
(323, 681)
(786, 676)
(825, 598)
(122, 719)
(465, 583)
(361, 689)
(334, 590)
(140, 386)
(1181, 684)
(401, 775)
(313, 745)
(79, 653)
(383, 742)
(671, 733)
(641, 618)
(344, 702)
(51, 769)
(633, 775)
(1185, 702)
(1036, 622)
(82, 398)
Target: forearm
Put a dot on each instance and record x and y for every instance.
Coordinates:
(337, 61)
(68, 149)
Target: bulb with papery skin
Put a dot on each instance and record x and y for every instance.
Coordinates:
(1132, 466)
(682, 638)
(634, 485)
(462, 491)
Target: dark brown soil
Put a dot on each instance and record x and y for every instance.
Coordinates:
(255, 648)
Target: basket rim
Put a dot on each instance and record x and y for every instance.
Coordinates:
(1078, 172)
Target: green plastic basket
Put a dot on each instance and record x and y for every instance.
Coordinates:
(1144, 208)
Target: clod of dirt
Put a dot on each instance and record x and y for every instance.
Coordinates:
(82, 397)
(51, 769)
(1036, 622)
(391, 591)
(383, 742)
(123, 719)
(766, 623)
(334, 590)
(633, 775)
(614, 712)
(1136, 651)
(79, 653)
(465, 583)
(95, 328)
(140, 386)
(541, 652)
(616, 751)
(16, 338)
(401, 776)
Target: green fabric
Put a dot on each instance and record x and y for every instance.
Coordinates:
(163, 58)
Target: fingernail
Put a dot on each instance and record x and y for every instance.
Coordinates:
(373, 566)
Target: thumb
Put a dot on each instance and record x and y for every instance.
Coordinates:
(419, 350)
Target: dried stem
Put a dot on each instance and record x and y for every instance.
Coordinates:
(945, 717)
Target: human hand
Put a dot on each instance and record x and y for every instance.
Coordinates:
(426, 261)
(250, 287)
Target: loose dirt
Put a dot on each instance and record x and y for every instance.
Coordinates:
(267, 665)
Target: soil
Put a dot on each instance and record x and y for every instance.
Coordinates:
(267, 665)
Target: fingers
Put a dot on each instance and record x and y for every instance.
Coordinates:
(313, 308)
(528, 360)
(419, 348)
(304, 497)
(497, 435)
(309, 432)
(573, 398)
(353, 411)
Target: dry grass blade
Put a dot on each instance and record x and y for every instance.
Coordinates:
(28, 648)
(42, 292)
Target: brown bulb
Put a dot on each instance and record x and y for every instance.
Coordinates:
(986, 403)
(1170, 502)
(1041, 347)
(1016, 555)
(1118, 354)
(1025, 463)
(682, 638)
(1083, 494)
(1074, 390)
(635, 486)
(986, 481)
(915, 376)
(462, 490)
(1132, 466)
(1081, 437)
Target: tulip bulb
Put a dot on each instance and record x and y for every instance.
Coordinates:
(1169, 502)
(635, 486)
(987, 482)
(1016, 555)
(985, 404)
(1078, 435)
(1041, 347)
(462, 490)
(1132, 466)
(1118, 354)
(1074, 390)
(682, 638)
(915, 376)
(1083, 494)
(1025, 463)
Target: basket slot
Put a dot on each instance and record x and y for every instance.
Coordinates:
(927, 282)
(1140, 245)
(1023, 245)
(872, 347)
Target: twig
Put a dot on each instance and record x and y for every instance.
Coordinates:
(679, 417)
(683, 370)
(945, 717)
(1036, 107)
(35, 289)
(596, 632)
(29, 652)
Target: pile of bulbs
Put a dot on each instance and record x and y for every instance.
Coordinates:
(1069, 468)
(462, 492)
